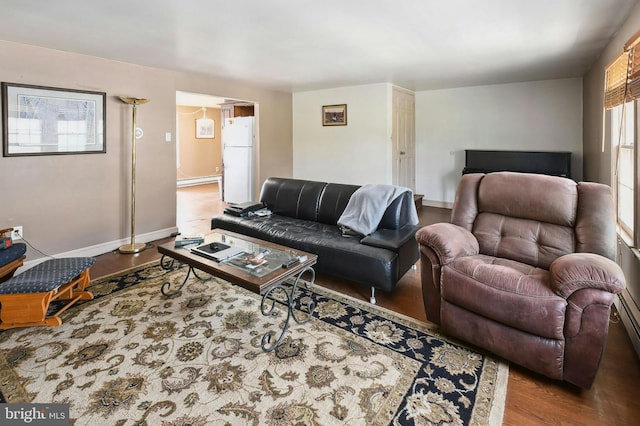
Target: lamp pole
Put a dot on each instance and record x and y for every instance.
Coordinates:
(133, 247)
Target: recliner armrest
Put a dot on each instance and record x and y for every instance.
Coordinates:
(391, 239)
(448, 241)
(576, 271)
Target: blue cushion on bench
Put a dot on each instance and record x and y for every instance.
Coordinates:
(47, 276)
(16, 251)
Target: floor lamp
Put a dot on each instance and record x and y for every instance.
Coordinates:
(133, 247)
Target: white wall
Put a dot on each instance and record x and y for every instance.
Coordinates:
(532, 116)
(357, 153)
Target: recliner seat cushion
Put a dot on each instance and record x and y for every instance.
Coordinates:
(522, 293)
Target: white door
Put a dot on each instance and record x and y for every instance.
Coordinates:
(403, 138)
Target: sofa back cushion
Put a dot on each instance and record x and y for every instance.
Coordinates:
(325, 202)
(292, 197)
(333, 201)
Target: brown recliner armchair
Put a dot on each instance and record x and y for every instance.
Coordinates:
(526, 270)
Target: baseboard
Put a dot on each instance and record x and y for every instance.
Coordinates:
(630, 316)
(102, 248)
(438, 204)
(181, 183)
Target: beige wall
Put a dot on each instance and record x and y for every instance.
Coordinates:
(597, 162)
(79, 203)
(597, 167)
(198, 157)
(273, 111)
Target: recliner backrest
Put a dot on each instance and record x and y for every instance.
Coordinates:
(534, 218)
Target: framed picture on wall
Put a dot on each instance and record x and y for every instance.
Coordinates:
(334, 115)
(39, 120)
(204, 128)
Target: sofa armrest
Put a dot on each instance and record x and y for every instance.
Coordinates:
(391, 239)
(401, 212)
(577, 271)
(448, 241)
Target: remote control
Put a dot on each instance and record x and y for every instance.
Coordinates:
(189, 241)
(290, 263)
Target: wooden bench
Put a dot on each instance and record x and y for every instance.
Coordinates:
(25, 298)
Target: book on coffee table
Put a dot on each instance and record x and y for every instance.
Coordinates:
(217, 251)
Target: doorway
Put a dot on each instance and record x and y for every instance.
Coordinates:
(196, 205)
(200, 121)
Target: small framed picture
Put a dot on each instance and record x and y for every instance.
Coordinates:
(204, 128)
(334, 115)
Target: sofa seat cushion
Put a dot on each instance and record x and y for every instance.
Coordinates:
(526, 299)
(339, 256)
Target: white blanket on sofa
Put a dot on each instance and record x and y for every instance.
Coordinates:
(367, 205)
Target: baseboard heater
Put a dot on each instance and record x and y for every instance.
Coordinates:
(181, 183)
(630, 316)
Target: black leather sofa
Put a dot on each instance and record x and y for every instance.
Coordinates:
(304, 216)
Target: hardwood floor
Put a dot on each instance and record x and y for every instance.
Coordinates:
(531, 398)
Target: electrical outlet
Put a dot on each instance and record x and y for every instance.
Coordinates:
(17, 233)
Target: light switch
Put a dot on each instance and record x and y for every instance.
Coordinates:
(167, 137)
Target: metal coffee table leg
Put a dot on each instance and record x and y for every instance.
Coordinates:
(168, 265)
(285, 294)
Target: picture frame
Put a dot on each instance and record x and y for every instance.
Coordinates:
(40, 120)
(205, 128)
(334, 115)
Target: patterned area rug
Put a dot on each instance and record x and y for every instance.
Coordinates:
(132, 356)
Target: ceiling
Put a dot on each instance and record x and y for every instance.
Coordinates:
(294, 45)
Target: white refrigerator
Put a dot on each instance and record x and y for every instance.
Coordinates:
(238, 159)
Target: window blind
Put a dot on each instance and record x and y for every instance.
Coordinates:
(615, 88)
(633, 71)
(622, 75)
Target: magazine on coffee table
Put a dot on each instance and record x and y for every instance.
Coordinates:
(243, 263)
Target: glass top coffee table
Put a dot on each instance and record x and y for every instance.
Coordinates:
(259, 266)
